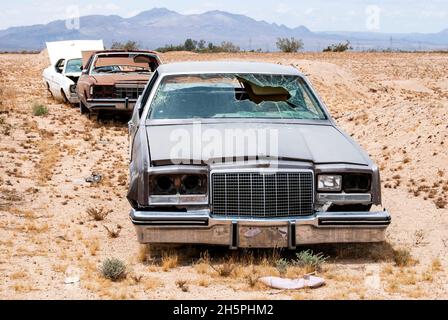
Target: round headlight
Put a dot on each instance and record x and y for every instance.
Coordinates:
(192, 184)
(164, 184)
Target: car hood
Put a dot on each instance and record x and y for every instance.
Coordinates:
(305, 142)
(111, 79)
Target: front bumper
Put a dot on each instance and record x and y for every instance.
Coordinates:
(125, 105)
(73, 98)
(201, 227)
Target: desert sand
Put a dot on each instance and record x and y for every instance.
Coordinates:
(394, 104)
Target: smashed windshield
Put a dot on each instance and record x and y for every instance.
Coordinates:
(73, 66)
(235, 96)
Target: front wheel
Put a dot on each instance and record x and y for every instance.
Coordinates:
(49, 90)
(82, 108)
(64, 97)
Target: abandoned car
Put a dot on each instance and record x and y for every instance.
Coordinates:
(61, 77)
(246, 155)
(112, 80)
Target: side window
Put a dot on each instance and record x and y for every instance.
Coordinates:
(89, 62)
(60, 66)
(148, 90)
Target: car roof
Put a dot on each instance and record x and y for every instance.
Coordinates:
(119, 51)
(226, 67)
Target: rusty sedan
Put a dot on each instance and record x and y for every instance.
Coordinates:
(113, 80)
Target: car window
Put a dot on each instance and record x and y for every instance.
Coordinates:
(125, 63)
(60, 65)
(235, 96)
(149, 88)
(73, 66)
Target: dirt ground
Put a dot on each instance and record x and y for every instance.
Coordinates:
(394, 105)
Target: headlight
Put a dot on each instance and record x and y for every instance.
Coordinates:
(73, 88)
(329, 182)
(178, 189)
(357, 182)
(164, 185)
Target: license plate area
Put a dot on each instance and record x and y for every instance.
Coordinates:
(264, 236)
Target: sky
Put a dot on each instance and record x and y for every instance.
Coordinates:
(389, 16)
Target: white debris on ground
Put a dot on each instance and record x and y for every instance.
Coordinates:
(293, 284)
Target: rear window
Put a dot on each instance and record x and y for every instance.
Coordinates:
(235, 96)
(125, 63)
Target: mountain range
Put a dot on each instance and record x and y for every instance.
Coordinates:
(159, 26)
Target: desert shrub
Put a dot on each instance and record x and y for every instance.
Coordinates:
(40, 110)
(98, 214)
(282, 266)
(182, 285)
(129, 45)
(224, 270)
(309, 260)
(200, 46)
(113, 233)
(340, 47)
(289, 45)
(227, 46)
(113, 269)
(403, 258)
(441, 203)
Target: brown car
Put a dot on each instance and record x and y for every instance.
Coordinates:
(113, 80)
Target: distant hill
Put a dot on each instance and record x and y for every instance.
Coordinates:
(159, 26)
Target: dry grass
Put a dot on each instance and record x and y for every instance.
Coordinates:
(182, 285)
(436, 265)
(8, 101)
(143, 253)
(93, 246)
(98, 214)
(18, 275)
(50, 156)
(22, 287)
(150, 283)
(402, 258)
(170, 261)
(113, 233)
(441, 203)
(203, 282)
(225, 269)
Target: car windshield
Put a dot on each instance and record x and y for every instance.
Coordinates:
(125, 63)
(235, 96)
(73, 66)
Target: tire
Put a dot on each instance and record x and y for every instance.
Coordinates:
(48, 88)
(83, 109)
(64, 97)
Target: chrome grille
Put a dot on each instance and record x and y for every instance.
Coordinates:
(122, 92)
(259, 194)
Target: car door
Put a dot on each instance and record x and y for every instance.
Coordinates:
(57, 78)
